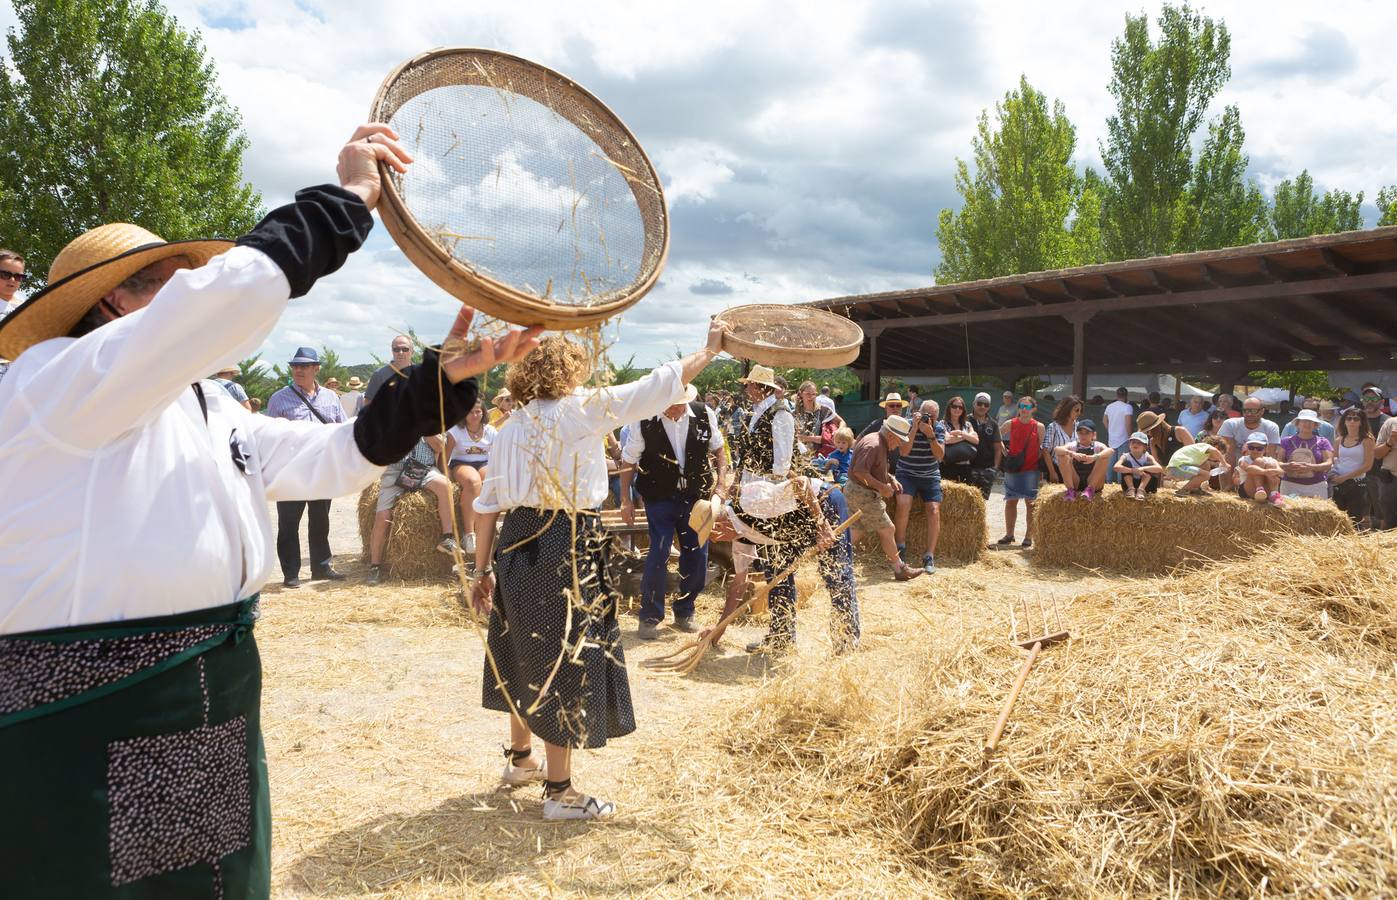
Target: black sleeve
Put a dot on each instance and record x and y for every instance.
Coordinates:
(311, 237)
(415, 404)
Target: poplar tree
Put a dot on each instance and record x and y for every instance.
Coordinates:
(1297, 210)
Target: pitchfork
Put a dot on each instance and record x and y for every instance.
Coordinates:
(1051, 634)
(686, 658)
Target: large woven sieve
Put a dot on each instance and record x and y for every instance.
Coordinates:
(528, 198)
(776, 335)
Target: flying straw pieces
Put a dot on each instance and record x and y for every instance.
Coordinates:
(962, 537)
(1230, 734)
(411, 552)
(1113, 533)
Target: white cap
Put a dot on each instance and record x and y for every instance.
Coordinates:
(1256, 437)
(1141, 437)
(982, 397)
(1308, 415)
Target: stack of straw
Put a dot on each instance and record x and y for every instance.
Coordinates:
(411, 552)
(1227, 732)
(1114, 533)
(962, 537)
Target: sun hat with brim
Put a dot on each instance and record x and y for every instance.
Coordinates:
(894, 397)
(703, 516)
(503, 394)
(305, 356)
(690, 394)
(354, 383)
(84, 272)
(762, 375)
(1149, 421)
(1308, 415)
(898, 426)
(227, 370)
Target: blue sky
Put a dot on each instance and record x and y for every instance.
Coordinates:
(806, 149)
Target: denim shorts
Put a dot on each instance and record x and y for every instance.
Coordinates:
(926, 487)
(1021, 485)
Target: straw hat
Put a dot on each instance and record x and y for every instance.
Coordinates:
(894, 397)
(84, 272)
(1149, 421)
(703, 516)
(760, 375)
(501, 395)
(690, 394)
(898, 426)
(354, 383)
(228, 370)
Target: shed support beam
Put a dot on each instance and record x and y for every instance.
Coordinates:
(875, 369)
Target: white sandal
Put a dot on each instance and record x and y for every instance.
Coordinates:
(582, 807)
(515, 776)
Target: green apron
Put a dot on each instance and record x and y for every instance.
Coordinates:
(132, 760)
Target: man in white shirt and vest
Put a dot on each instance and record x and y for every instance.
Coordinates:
(134, 539)
(675, 459)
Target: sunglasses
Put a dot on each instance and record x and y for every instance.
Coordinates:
(16, 277)
(1025, 406)
(402, 349)
(982, 403)
(957, 406)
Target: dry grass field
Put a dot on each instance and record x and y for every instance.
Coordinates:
(1230, 731)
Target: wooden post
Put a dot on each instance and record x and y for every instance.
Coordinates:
(1079, 353)
(875, 370)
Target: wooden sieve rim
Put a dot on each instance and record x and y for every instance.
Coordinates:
(838, 326)
(494, 297)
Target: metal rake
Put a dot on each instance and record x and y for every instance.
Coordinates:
(683, 660)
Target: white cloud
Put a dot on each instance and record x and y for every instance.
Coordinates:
(696, 170)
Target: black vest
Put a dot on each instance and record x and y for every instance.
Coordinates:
(757, 448)
(657, 471)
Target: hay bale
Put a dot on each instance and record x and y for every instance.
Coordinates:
(963, 535)
(411, 550)
(1227, 732)
(1114, 533)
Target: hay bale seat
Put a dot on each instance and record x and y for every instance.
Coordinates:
(411, 551)
(1114, 533)
(963, 535)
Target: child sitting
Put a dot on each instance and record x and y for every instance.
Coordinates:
(1193, 463)
(1139, 471)
(1258, 475)
(837, 463)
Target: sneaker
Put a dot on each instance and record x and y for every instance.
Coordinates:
(1071, 494)
(468, 545)
(1260, 496)
(374, 577)
(928, 563)
(580, 807)
(1277, 500)
(647, 631)
(516, 775)
(1088, 495)
(907, 573)
(1027, 543)
(448, 546)
(685, 624)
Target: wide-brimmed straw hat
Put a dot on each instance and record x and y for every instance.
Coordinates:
(502, 394)
(894, 397)
(703, 516)
(1149, 421)
(761, 375)
(898, 426)
(84, 272)
(354, 383)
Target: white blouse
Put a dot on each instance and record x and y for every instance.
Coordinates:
(551, 453)
(469, 449)
(119, 501)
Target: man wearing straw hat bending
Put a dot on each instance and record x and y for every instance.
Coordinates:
(135, 537)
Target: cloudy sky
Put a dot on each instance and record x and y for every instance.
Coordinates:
(805, 148)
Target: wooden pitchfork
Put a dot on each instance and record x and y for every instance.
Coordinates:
(686, 658)
(1051, 633)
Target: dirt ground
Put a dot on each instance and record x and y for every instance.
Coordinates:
(384, 767)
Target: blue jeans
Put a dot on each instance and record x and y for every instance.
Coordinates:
(837, 569)
(666, 517)
(1111, 476)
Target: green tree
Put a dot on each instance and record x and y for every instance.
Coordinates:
(1308, 383)
(1021, 205)
(1162, 91)
(1222, 208)
(255, 378)
(112, 114)
(1298, 211)
(1387, 205)
(331, 367)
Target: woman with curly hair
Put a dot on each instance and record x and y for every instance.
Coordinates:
(554, 659)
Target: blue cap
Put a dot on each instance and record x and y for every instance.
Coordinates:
(305, 355)
(1087, 424)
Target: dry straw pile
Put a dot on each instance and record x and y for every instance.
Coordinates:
(413, 535)
(962, 538)
(1113, 533)
(1230, 732)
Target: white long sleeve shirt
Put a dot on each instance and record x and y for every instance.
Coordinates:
(677, 430)
(116, 500)
(551, 455)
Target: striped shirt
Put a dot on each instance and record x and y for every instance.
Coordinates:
(287, 404)
(920, 462)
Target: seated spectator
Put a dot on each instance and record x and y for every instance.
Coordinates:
(1258, 475)
(1236, 431)
(1325, 429)
(836, 465)
(1306, 458)
(468, 451)
(1083, 463)
(1195, 417)
(1194, 463)
(415, 472)
(1214, 423)
(1139, 471)
(1059, 431)
(1353, 457)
